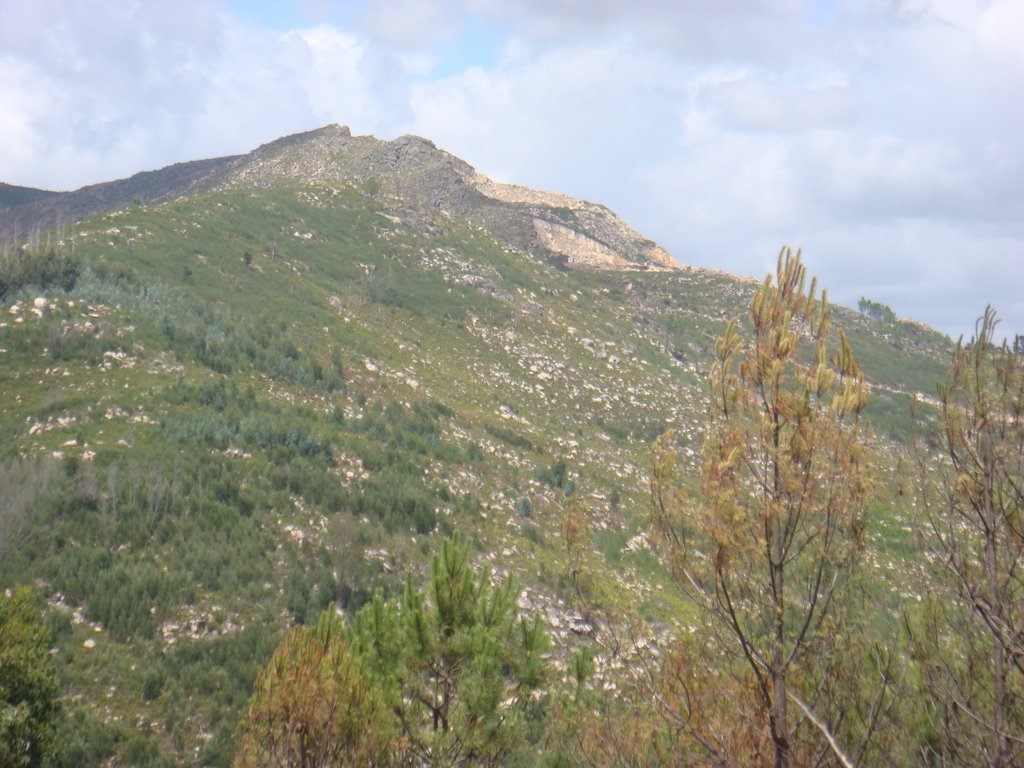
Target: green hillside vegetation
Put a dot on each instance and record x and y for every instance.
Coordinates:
(227, 413)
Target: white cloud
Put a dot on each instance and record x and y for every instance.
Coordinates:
(410, 23)
(23, 93)
(859, 177)
(578, 118)
(107, 82)
(1001, 30)
(786, 106)
(739, 30)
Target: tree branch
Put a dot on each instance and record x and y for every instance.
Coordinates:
(840, 755)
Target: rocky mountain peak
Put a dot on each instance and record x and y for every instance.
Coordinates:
(412, 172)
(409, 173)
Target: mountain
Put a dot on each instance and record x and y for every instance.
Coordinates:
(409, 168)
(237, 391)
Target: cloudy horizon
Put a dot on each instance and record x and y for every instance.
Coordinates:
(881, 136)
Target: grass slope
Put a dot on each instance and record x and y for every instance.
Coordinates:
(256, 403)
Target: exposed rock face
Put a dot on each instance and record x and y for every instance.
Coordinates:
(580, 250)
(408, 175)
(613, 244)
(516, 195)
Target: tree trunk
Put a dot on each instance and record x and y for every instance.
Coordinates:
(998, 652)
(780, 729)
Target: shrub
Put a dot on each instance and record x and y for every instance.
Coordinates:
(24, 268)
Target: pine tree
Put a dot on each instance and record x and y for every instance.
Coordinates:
(766, 544)
(464, 674)
(972, 648)
(312, 706)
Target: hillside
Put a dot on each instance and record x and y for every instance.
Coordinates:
(244, 389)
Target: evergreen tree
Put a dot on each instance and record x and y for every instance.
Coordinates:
(972, 648)
(766, 545)
(464, 676)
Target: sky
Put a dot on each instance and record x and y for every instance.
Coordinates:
(884, 137)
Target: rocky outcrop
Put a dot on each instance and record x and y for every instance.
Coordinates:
(578, 249)
(516, 195)
(589, 236)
